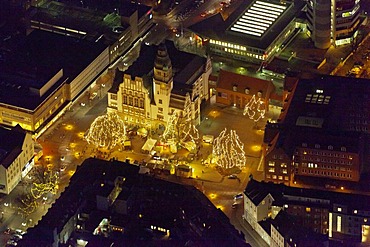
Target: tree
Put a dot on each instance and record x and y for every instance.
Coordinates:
(180, 129)
(188, 132)
(107, 131)
(229, 150)
(170, 131)
(255, 109)
(45, 181)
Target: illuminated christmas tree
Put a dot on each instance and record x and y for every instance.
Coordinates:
(255, 109)
(188, 132)
(170, 133)
(228, 150)
(107, 131)
(45, 181)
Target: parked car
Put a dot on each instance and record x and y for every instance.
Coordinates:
(234, 205)
(238, 196)
(208, 138)
(232, 176)
(19, 231)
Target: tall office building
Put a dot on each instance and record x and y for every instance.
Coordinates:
(333, 22)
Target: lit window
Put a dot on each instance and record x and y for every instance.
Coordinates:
(308, 210)
(339, 223)
(339, 209)
(355, 211)
(271, 163)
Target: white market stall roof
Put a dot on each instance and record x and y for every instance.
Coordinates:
(149, 144)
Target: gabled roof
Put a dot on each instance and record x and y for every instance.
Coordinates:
(10, 144)
(283, 194)
(285, 224)
(291, 138)
(186, 67)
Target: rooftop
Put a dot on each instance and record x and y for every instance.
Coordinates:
(31, 61)
(253, 24)
(282, 194)
(12, 147)
(227, 80)
(185, 66)
(329, 102)
(178, 208)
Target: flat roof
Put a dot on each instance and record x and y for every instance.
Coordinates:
(31, 61)
(94, 23)
(123, 8)
(254, 24)
(332, 101)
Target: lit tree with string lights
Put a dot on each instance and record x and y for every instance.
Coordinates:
(255, 109)
(45, 181)
(188, 132)
(170, 132)
(107, 131)
(228, 150)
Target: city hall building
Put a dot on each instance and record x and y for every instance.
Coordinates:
(161, 81)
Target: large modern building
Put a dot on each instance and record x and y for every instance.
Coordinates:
(108, 203)
(163, 80)
(118, 25)
(323, 131)
(16, 157)
(42, 73)
(48, 62)
(333, 22)
(252, 31)
(343, 218)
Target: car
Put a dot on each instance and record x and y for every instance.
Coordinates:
(63, 168)
(16, 237)
(11, 242)
(234, 205)
(208, 138)
(156, 157)
(238, 196)
(62, 158)
(83, 104)
(232, 176)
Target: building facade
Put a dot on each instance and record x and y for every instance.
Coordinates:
(247, 33)
(338, 216)
(333, 22)
(16, 157)
(313, 138)
(238, 90)
(161, 88)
